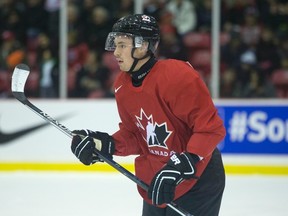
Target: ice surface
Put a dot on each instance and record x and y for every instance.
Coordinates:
(102, 194)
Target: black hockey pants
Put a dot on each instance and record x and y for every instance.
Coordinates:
(204, 199)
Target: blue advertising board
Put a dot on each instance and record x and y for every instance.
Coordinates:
(255, 129)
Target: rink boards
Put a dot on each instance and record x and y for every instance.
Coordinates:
(256, 141)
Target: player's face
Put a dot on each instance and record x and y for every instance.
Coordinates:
(122, 52)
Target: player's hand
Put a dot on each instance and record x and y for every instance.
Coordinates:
(85, 142)
(179, 167)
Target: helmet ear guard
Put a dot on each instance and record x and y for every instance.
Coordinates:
(153, 45)
(138, 41)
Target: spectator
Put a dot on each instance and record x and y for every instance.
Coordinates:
(86, 10)
(171, 44)
(74, 22)
(49, 76)
(97, 28)
(235, 11)
(228, 83)
(248, 61)
(47, 64)
(283, 52)
(14, 23)
(12, 18)
(250, 29)
(231, 52)
(154, 8)
(91, 78)
(204, 16)
(250, 82)
(11, 51)
(184, 15)
(258, 86)
(274, 13)
(53, 9)
(125, 7)
(35, 17)
(77, 50)
(267, 53)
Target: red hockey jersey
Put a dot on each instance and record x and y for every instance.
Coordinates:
(171, 111)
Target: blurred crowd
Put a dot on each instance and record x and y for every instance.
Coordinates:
(253, 44)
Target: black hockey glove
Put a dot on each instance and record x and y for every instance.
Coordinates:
(84, 143)
(179, 167)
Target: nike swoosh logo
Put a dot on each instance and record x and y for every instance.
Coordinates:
(5, 138)
(117, 89)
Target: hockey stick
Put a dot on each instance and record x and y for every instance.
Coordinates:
(19, 77)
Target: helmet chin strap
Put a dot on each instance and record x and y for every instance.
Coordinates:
(136, 60)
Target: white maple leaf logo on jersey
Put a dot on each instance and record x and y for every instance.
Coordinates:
(154, 134)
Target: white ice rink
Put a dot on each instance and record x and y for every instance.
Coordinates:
(102, 194)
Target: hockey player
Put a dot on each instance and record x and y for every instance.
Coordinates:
(167, 118)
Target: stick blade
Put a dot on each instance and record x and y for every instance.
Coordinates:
(19, 77)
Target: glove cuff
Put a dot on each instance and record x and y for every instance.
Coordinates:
(111, 145)
(184, 163)
(106, 141)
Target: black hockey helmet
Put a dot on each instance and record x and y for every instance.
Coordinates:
(140, 27)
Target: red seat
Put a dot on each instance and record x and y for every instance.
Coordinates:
(197, 40)
(71, 78)
(224, 38)
(200, 58)
(96, 94)
(201, 61)
(280, 77)
(110, 61)
(32, 58)
(280, 80)
(5, 80)
(32, 83)
(32, 43)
